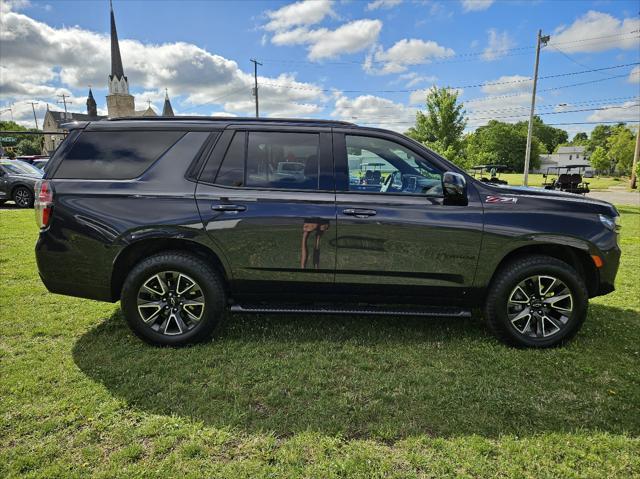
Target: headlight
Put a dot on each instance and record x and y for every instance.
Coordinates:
(610, 222)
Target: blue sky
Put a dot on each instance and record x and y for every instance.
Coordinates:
(364, 61)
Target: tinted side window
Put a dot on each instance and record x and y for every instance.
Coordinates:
(231, 171)
(283, 160)
(382, 166)
(115, 155)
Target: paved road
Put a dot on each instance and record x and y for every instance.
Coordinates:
(617, 197)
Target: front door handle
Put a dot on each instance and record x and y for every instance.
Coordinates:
(359, 212)
(228, 207)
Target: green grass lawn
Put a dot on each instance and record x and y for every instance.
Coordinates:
(317, 397)
(597, 183)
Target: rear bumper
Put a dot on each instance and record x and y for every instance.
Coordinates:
(64, 270)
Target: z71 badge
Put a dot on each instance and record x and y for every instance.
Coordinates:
(501, 199)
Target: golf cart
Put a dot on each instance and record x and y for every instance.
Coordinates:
(563, 179)
(493, 172)
(370, 178)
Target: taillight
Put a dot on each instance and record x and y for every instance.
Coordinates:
(44, 203)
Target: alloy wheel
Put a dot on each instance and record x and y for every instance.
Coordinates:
(171, 303)
(540, 306)
(22, 197)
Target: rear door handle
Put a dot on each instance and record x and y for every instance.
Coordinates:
(359, 212)
(227, 207)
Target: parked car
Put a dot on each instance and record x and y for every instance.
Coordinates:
(187, 219)
(17, 182)
(31, 158)
(40, 164)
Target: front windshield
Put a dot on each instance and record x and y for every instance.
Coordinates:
(17, 167)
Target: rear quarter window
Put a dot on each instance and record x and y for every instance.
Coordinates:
(115, 155)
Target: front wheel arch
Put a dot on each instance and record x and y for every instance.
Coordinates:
(578, 259)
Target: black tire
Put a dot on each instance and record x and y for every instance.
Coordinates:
(208, 281)
(22, 197)
(511, 276)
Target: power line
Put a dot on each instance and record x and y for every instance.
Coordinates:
(608, 107)
(476, 85)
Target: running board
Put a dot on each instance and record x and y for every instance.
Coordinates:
(431, 311)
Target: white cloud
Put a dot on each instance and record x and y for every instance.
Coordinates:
(628, 111)
(507, 84)
(405, 53)
(475, 5)
(307, 12)
(611, 33)
(374, 111)
(498, 45)
(47, 61)
(412, 79)
(634, 76)
(324, 43)
(386, 4)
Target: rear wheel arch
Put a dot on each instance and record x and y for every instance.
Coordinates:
(578, 259)
(140, 250)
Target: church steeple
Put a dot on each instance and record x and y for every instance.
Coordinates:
(118, 83)
(116, 60)
(167, 110)
(119, 101)
(92, 108)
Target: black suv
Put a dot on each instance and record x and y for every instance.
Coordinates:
(186, 219)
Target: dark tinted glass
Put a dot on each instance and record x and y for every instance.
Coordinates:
(115, 155)
(283, 160)
(231, 171)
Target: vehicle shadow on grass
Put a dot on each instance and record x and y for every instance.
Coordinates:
(382, 377)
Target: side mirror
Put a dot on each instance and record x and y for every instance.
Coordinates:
(454, 189)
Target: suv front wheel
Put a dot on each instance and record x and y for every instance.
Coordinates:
(536, 301)
(173, 299)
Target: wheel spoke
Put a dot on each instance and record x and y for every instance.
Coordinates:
(552, 302)
(151, 308)
(189, 306)
(189, 284)
(159, 289)
(519, 290)
(544, 291)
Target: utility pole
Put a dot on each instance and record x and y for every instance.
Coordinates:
(255, 82)
(64, 100)
(634, 180)
(527, 155)
(35, 118)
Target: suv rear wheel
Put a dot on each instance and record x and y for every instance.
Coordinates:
(173, 299)
(536, 301)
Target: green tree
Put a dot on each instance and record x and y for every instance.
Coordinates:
(580, 139)
(621, 144)
(599, 136)
(23, 144)
(502, 143)
(442, 125)
(549, 136)
(600, 161)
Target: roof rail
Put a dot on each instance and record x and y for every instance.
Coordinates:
(233, 119)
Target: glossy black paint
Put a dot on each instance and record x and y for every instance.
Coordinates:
(288, 245)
